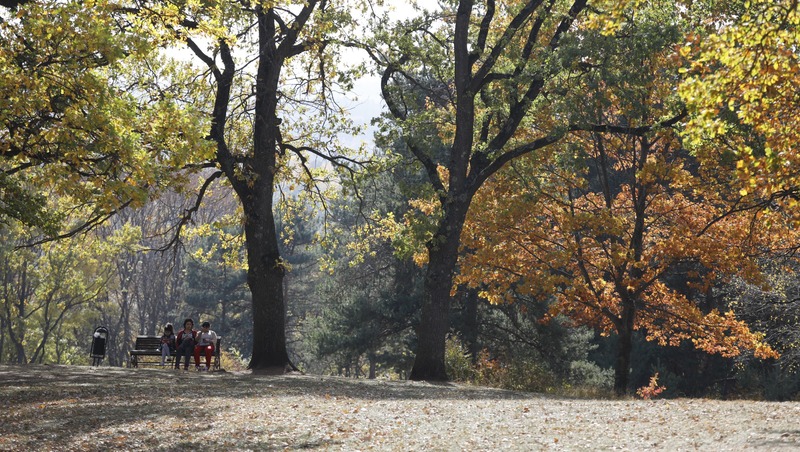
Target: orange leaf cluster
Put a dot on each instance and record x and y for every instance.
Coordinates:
(596, 252)
(651, 390)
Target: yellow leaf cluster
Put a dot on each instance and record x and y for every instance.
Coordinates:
(76, 109)
(748, 103)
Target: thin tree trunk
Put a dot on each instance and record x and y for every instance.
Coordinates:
(470, 333)
(2, 337)
(126, 325)
(373, 366)
(5, 317)
(223, 323)
(18, 337)
(622, 364)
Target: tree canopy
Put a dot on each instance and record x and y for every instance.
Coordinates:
(90, 114)
(620, 166)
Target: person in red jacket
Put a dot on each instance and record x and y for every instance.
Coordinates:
(186, 341)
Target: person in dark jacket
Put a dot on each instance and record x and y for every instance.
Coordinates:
(186, 341)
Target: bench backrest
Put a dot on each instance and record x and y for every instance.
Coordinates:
(154, 343)
(148, 343)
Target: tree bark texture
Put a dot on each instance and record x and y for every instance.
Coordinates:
(265, 272)
(265, 279)
(622, 364)
(475, 70)
(253, 179)
(434, 323)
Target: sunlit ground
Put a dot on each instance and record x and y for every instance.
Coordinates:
(84, 408)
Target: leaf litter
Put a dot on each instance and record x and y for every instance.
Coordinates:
(71, 408)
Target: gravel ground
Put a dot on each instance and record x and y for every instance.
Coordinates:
(84, 408)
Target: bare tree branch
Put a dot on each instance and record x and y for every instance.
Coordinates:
(189, 213)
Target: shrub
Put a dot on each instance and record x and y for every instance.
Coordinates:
(652, 390)
(231, 360)
(587, 373)
(458, 361)
(524, 373)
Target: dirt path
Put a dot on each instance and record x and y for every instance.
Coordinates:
(83, 408)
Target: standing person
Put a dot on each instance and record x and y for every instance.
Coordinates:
(186, 340)
(167, 343)
(206, 341)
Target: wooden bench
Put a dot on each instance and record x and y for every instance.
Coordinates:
(150, 346)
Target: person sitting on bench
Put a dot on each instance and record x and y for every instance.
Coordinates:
(206, 340)
(167, 343)
(186, 341)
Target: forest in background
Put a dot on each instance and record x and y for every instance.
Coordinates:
(570, 197)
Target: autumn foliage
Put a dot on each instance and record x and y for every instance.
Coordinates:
(85, 116)
(652, 390)
(622, 228)
(741, 85)
(595, 254)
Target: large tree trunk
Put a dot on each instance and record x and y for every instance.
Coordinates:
(265, 278)
(253, 176)
(266, 271)
(468, 167)
(373, 366)
(435, 316)
(431, 335)
(628, 316)
(444, 246)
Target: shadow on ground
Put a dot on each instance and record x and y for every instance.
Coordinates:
(44, 382)
(59, 405)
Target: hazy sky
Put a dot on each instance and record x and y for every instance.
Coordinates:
(368, 103)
